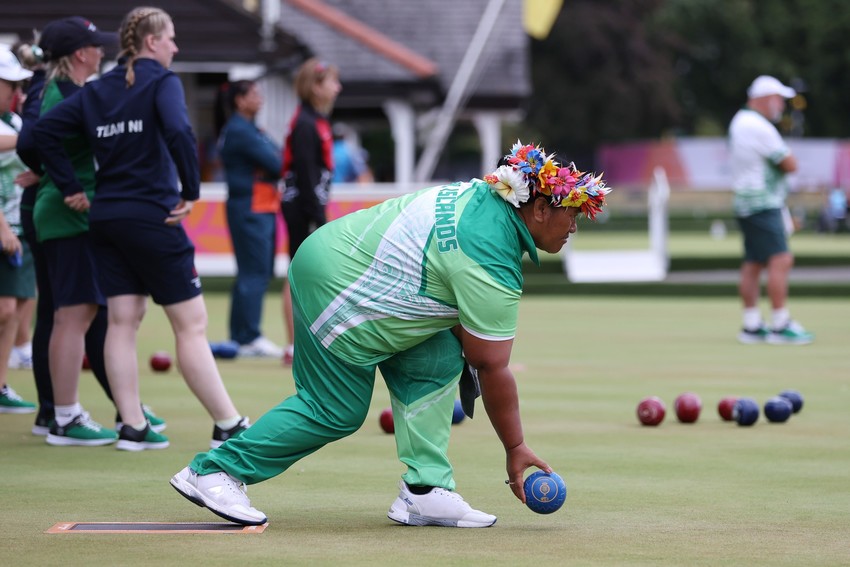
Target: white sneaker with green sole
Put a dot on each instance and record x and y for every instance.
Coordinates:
(11, 402)
(792, 334)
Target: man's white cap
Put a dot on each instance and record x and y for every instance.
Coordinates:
(765, 85)
(10, 68)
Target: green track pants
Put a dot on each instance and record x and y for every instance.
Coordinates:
(331, 402)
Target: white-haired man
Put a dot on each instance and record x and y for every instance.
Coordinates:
(761, 161)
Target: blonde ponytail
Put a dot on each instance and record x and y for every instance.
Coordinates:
(137, 25)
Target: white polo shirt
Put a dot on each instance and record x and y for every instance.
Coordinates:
(756, 148)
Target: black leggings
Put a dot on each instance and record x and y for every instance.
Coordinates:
(300, 223)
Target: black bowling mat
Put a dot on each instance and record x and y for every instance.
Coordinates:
(154, 528)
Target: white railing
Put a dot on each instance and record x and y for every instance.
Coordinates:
(628, 265)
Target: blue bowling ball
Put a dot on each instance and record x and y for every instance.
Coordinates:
(778, 409)
(795, 397)
(457, 413)
(544, 492)
(745, 412)
(225, 349)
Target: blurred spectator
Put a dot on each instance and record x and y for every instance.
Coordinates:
(72, 48)
(21, 356)
(17, 277)
(834, 214)
(350, 159)
(307, 165)
(33, 57)
(252, 166)
(760, 161)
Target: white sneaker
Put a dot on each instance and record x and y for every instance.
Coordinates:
(20, 358)
(261, 347)
(440, 507)
(792, 334)
(221, 494)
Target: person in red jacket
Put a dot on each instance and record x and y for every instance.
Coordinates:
(307, 164)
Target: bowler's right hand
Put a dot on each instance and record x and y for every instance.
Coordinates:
(519, 459)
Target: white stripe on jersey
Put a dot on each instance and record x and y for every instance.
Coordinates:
(390, 286)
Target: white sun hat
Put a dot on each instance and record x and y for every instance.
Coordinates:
(765, 85)
(10, 68)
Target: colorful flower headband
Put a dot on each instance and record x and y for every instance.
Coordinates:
(530, 173)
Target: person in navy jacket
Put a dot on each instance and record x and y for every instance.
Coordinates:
(67, 51)
(136, 122)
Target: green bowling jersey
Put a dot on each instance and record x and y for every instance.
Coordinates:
(381, 280)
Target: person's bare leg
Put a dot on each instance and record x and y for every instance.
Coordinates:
(749, 285)
(120, 356)
(66, 350)
(778, 269)
(194, 357)
(25, 313)
(8, 329)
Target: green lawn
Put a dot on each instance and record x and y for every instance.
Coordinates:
(709, 493)
(702, 245)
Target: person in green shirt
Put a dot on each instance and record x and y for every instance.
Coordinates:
(416, 287)
(72, 50)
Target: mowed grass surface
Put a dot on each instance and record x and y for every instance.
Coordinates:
(702, 244)
(708, 493)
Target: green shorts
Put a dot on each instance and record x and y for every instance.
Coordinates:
(764, 235)
(18, 281)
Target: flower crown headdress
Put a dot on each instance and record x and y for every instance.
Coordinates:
(529, 172)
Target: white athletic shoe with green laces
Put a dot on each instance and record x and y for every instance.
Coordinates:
(792, 334)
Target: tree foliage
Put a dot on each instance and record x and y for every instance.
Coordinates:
(600, 76)
(615, 70)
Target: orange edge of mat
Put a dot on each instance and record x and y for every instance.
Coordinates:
(67, 528)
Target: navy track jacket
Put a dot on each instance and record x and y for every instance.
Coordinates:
(141, 138)
(26, 146)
